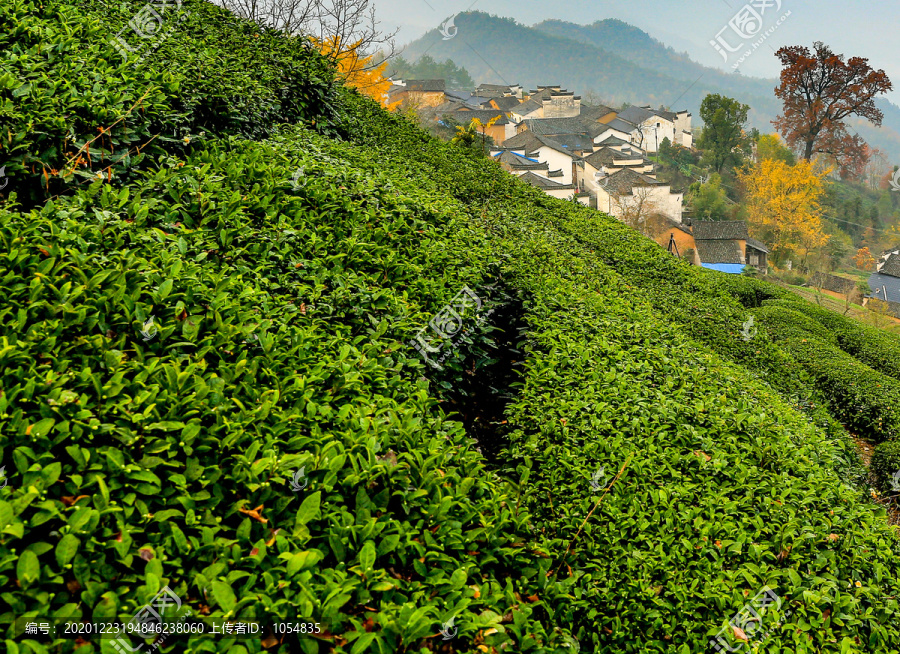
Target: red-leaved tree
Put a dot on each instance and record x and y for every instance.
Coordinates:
(819, 91)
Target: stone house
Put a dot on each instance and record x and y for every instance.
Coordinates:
(725, 245)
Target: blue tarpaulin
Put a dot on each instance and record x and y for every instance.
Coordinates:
(731, 268)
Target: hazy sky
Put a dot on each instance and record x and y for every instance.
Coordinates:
(867, 28)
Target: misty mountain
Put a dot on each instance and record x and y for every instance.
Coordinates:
(617, 61)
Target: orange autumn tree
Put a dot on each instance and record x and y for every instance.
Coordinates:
(864, 259)
(784, 205)
(357, 71)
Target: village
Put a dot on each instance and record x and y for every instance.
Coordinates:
(595, 155)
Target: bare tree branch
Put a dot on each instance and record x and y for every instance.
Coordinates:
(349, 25)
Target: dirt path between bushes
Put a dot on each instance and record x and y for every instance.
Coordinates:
(890, 502)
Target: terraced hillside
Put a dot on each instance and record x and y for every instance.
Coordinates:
(221, 272)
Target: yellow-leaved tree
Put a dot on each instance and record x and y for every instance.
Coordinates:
(357, 71)
(467, 135)
(784, 206)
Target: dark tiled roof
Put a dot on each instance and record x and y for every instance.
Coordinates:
(519, 162)
(891, 266)
(505, 104)
(492, 90)
(613, 140)
(527, 107)
(555, 145)
(526, 141)
(759, 245)
(721, 230)
(574, 125)
(573, 142)
(668, 115)
(448, 106)
(591, 112)
(553, 126)
(543, 182)
(625, 180)
(622, 125)
(891, 284)
(465, 116)
(718, 251)
(425, 84)
(635, 115)
(606, 156)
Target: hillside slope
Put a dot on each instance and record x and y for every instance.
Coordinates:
(211, 384)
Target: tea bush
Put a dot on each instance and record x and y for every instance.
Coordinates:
(875, 347)
(886, 464)
(863, 399)
(72, 107)
(783, 323)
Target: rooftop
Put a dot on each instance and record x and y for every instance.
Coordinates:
(721, 230)
(543, 183)
(425, 85)
(718, 251)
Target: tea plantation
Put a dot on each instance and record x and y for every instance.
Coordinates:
(215, 266)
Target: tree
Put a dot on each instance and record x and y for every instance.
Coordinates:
(784, 206)
(425, 67)
(879, 310)
(724, 139)
(769, 146)
(820, 90)
(638, 210)
(355, 71)
(838, 248)
(349, 23)
(467, 136)
(708, 200)
(876, 167)
(864, 259)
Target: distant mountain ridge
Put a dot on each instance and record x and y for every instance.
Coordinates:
(618, 61)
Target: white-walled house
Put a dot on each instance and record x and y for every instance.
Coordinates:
(625, 189)
(607, 161)
(560, 160)
(654, 126)
(519, 164)
(523, 143)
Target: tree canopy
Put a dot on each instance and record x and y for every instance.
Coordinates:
(820, 90)
(724, 140)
